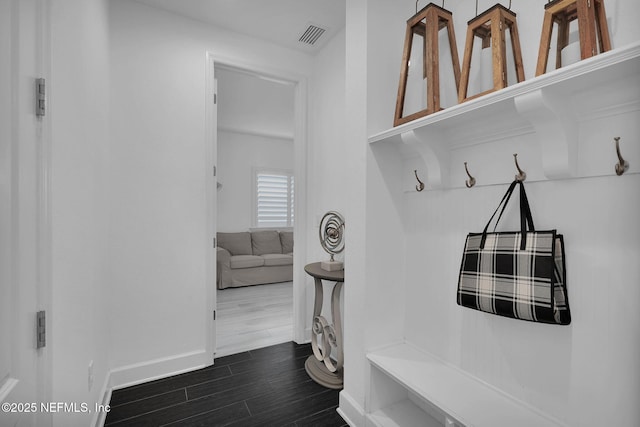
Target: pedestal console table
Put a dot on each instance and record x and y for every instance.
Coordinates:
(326, 337)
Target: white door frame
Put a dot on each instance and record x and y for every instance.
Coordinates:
(300, 141)
(210, 147)
(29, 211)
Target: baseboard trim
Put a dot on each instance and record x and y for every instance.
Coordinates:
(100, 417)
(350, 410)
(306, 339)
(138, 373)
(302, 336)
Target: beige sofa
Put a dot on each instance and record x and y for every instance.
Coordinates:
(254, 258)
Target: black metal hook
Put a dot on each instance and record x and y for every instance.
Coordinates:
(471, 181)
(522, 175)
(420, 185)
(622, 166)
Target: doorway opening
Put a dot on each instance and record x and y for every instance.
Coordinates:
(259, 145)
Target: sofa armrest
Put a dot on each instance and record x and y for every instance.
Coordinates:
(223, 268)
(223, 256)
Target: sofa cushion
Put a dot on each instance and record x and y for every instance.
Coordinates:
(277, 259)
(236, 243)
(246, 261)
(266, 242)
(286, 239)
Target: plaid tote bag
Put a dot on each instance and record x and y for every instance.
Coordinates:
(517, 274)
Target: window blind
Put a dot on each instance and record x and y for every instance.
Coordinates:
(274, 199)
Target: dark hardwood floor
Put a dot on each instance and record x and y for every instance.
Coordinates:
(263, 387)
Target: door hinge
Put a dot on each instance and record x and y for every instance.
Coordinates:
(215, 171)
(215, 98)
(41, 331)
(215, 243)
(214, 315)
(40, 97)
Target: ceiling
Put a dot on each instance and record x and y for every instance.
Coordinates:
(282, 22)
(248, 102)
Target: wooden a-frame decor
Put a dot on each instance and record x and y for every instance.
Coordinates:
(490, 27)
(593, 31)
(426, 25)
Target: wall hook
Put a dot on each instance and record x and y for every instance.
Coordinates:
(471, 181)
(420, 185)
(521, 174)
(622, 166)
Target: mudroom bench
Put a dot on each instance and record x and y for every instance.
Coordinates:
(410, 387)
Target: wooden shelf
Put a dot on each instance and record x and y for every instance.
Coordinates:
(550, 106)
(463, 399)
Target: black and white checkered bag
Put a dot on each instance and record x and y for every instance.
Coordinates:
(517, 274)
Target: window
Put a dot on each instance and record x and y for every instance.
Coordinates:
(274, 199)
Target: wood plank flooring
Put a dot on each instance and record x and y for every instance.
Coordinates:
(251, 317)
(263, 387)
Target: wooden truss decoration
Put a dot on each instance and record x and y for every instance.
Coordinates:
(592, 29)
(490, 27)
(426, 25)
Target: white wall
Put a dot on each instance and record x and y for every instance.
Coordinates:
(239, 155)
(158, 239)
(327, 162)
(352, 397)
(79, 102)
(584, 373)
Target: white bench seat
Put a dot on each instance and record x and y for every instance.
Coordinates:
(459, 399)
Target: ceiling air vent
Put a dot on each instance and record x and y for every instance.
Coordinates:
(311, 34)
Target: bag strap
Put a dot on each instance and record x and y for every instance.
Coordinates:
(526, 220)
(525, 209)
(503, 203)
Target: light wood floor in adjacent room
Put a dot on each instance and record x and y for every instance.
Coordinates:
(253, 317)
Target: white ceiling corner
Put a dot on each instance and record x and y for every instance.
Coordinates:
(281, 22)
(248, 102)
